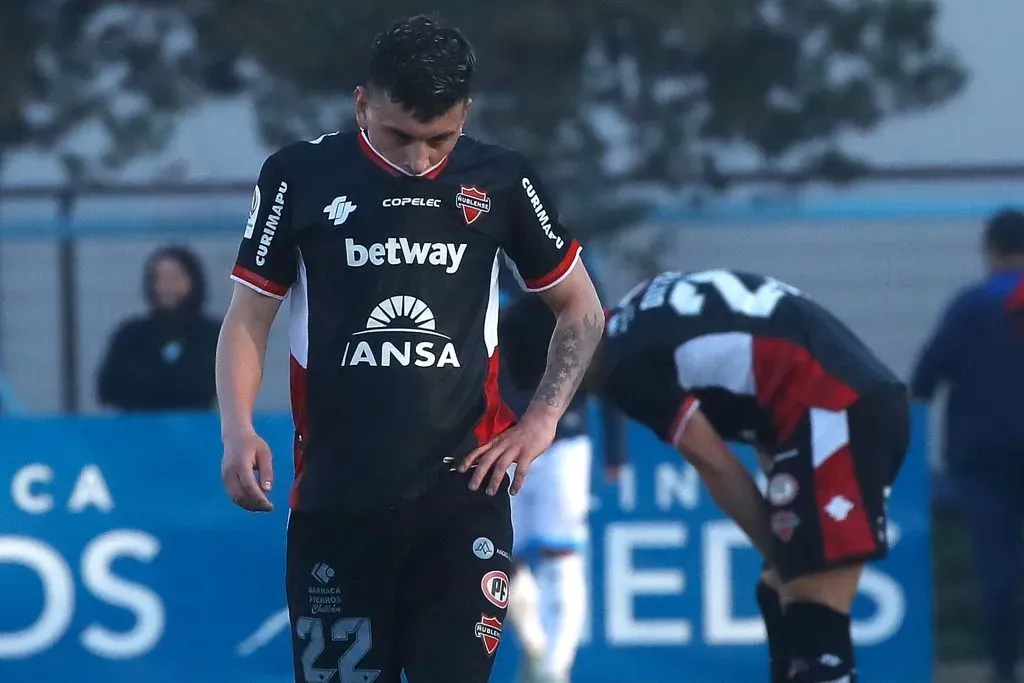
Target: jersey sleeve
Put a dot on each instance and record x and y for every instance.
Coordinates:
(267, 256)
(542, 249)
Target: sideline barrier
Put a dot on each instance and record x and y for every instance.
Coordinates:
(122, 561)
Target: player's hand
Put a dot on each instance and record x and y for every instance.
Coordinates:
(248, 471)
(520, 444)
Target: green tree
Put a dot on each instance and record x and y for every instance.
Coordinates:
(617, 101)
(69, 65)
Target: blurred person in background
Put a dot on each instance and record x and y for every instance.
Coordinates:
(704, 358)
(548, 593)
(164, 360)
(977, 350)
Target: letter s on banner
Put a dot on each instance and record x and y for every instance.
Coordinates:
(58, 597)
(97, 559)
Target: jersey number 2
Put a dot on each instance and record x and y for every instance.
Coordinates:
(686, 299)
(358, 630)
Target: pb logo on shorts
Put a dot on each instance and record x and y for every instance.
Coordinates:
(495, 588)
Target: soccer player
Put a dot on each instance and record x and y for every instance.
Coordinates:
(548, 586)
(716, 356)
(387, 242)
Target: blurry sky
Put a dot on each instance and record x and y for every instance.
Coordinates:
(985, 124)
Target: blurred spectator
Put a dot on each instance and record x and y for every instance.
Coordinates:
(978, 351)
(164, 360)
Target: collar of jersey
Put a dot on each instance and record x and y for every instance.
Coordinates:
(383, 161)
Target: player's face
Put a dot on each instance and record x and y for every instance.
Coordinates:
(171, 284)
(403, 140)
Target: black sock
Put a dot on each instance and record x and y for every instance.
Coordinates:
(774, 624)
(821, 648)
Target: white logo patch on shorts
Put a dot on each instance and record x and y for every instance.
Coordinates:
(782, 489)
(483, 548)
(495, 588)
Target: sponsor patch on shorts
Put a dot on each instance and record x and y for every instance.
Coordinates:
(782, 489)
(488, 630)
(495, 588)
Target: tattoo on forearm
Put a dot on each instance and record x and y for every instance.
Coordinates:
(572, 346)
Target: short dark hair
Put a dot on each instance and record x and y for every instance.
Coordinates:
(422, 65)
(189, 262)
(1004, 233)
(524, 333)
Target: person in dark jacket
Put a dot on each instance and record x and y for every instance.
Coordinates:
(977, 351)
(164, 361)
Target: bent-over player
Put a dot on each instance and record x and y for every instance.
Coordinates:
(716, 356)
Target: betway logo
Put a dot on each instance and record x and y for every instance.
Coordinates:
(399, 250)
(542, 214)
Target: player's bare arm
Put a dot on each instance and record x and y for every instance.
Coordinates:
(579, 325)
(577, 334)
(728, 481)
(241, 351)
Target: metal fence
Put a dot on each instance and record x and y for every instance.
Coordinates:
(71, 259)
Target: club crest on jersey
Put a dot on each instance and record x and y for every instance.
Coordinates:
(473, 202)
(488, 630)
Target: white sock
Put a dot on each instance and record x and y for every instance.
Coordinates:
(524, 612)
(563, 596)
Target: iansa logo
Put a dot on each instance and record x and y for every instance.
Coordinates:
(473, 201)
(401, 331)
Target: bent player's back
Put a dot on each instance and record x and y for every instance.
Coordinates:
(744, 344)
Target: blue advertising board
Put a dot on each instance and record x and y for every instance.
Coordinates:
(122, 561)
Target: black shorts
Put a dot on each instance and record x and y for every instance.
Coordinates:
(421, 588)
(829, 481)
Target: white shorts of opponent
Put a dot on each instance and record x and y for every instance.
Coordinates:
(550, 512)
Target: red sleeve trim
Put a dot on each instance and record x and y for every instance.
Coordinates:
(559, 272)
(258, 282)
(682, 419)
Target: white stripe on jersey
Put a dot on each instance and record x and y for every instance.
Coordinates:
(298, 316)
(493, 302)
(724, 360)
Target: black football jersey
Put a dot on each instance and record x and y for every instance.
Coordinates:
(393, 288)
(753, 352)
